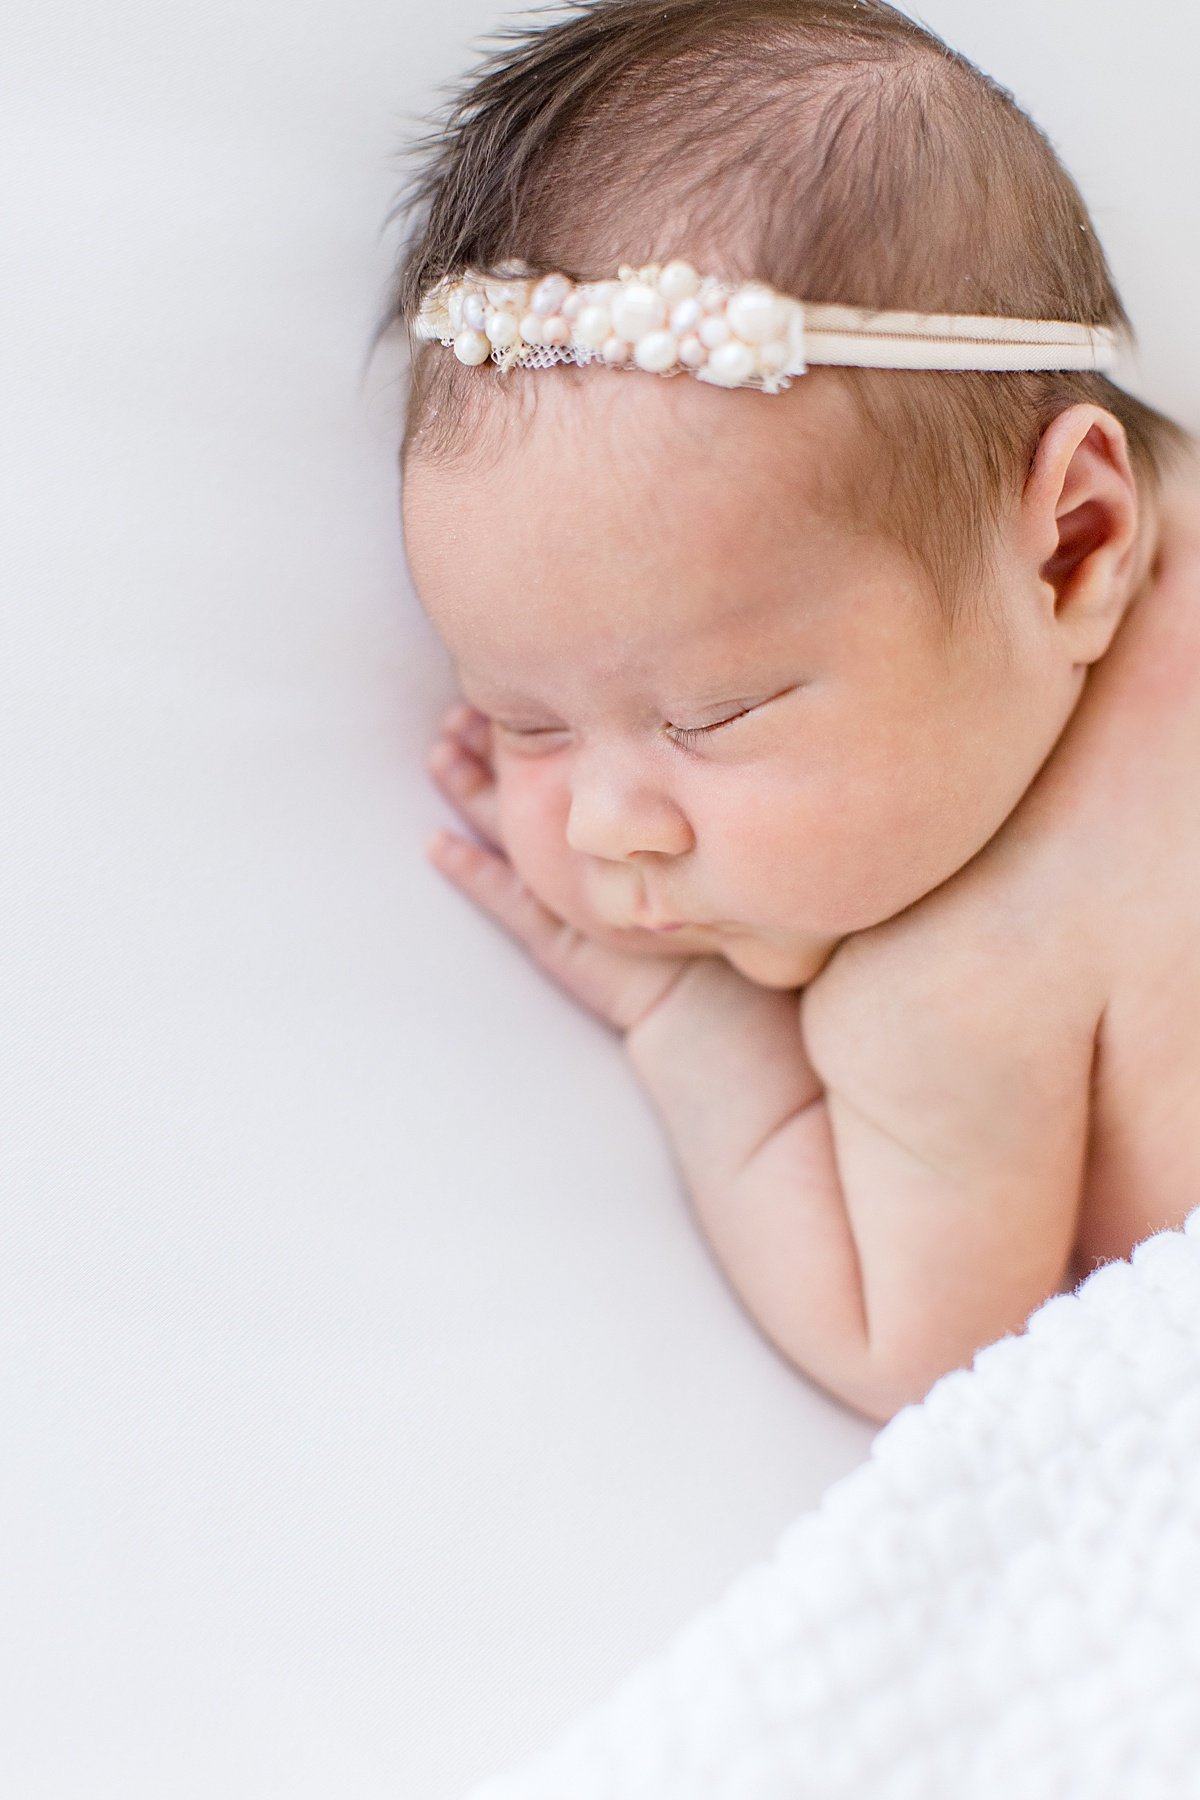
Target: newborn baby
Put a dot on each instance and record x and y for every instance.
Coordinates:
(838, 745)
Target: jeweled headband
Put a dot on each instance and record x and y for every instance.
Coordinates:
(668, 319)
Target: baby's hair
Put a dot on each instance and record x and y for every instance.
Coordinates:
(833, 148)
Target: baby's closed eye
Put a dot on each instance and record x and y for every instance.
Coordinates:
(543, 736)
(688, 734)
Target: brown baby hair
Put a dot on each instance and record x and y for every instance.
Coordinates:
(833, 148)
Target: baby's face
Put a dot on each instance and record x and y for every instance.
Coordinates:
(712, 708)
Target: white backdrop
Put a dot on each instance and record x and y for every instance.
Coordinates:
(368, 1400)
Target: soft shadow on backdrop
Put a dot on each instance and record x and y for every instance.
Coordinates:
(369, 1400)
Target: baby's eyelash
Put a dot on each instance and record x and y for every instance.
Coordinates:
(687, 734)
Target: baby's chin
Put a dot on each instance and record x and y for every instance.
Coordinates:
(773, 965)
(765, 961)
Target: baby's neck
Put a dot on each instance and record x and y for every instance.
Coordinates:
(1170, 519)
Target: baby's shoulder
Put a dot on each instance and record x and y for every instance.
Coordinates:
(976, 981)
(969, 1017)
(955, 1035)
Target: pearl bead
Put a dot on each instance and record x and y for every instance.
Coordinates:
(592, 326)
(773, 355)
(678, 281)
(571, 305)
(531, 328)
(555, 330)
(548, 295)
(473, 311)
(501, 329)
(755, 314)
(639, 308)
(472, 347)
(454, 306)
(714, 332)
(505, 296)
(626, 272)
(730, 364)
(686, 315)
(692, 352)
(655, 352)
(616, 350)
(712, 294)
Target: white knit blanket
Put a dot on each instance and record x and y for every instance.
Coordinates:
(1003, 1603)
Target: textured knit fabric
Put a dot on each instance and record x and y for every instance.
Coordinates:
(1003, 1603)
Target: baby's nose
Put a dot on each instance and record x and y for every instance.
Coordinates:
(616, 817)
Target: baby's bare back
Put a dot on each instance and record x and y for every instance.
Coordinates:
(1129, 806)
(1073, 939)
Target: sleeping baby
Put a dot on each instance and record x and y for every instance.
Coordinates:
(827, 626)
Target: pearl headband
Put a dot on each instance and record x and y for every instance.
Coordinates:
(667, 319)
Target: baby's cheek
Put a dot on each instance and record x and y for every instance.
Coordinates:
(533, 823)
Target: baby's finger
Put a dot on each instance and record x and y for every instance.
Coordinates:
(620, 989)
(468, 785)
(470, 727)
(492, 882)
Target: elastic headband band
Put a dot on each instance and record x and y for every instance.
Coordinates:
(668, 319)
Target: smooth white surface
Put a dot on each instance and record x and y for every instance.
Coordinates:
(368, 1400)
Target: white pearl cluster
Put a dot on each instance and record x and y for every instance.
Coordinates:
(663, 318)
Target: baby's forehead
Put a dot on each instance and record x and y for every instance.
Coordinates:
(647, 479)
(578, 635)
(620, 515)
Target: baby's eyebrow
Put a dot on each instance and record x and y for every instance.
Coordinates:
(720, 692)
(493, 699)
(728, 691)
(727, 695)
(471, 682)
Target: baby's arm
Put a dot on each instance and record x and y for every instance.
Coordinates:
(888, 1165)
(725, 1064)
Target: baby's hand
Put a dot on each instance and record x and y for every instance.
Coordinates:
(621, 989)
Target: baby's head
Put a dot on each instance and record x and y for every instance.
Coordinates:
(773, 665)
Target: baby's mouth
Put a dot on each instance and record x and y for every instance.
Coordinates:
(660, 925)
(652, 918)
(640, 922)
(643, 916)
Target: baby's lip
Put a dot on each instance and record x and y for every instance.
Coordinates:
(646, 917)
(652, 923)
(645, 922)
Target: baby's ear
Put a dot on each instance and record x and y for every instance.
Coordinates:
(1080, 516)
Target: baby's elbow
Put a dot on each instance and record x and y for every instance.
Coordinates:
(881, 1397)
(884, 1381)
